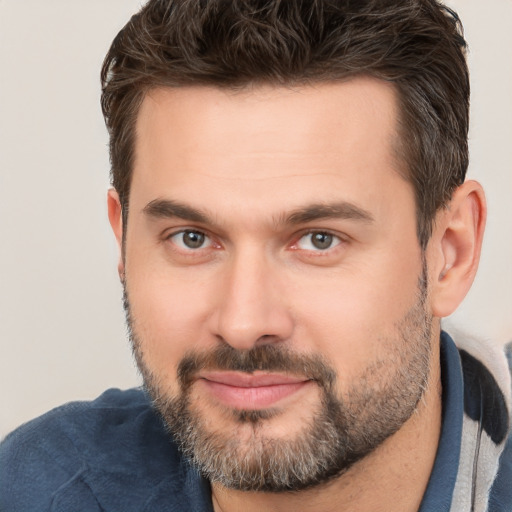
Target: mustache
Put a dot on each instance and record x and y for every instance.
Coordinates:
(268, 358)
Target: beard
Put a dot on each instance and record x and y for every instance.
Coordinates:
(344, 428)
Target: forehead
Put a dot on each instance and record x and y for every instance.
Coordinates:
(323, 116)
(329, 139)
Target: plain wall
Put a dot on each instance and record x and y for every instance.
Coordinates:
(62, 334)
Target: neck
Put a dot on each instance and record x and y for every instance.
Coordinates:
(393, 477)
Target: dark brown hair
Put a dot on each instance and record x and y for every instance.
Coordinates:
(415, 44)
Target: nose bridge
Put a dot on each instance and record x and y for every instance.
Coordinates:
(252, 307)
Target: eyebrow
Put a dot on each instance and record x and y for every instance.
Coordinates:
(167, 208)
(338, 210)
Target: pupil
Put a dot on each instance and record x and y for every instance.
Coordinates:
(193, 240)
(322, 240)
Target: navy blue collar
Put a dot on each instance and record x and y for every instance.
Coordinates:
(441, 485)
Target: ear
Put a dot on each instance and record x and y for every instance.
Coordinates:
(455, 248)
(115, 216)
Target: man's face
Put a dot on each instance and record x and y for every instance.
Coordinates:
(275, 287)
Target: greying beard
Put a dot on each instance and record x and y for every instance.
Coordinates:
(344, 430)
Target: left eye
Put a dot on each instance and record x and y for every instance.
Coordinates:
(190, 239)
(318, 241)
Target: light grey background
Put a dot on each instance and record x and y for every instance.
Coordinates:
(62, 334)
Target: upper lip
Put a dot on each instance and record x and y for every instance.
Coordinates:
(250, 380)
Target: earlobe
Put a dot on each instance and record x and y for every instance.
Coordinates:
(115, 218)
(457, 241)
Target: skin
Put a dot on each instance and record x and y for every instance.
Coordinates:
(247, 160)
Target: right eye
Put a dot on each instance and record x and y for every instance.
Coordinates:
(190, 240)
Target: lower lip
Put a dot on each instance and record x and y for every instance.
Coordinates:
(250, 398)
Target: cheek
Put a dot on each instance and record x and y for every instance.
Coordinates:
(169, 315)
(352, 317)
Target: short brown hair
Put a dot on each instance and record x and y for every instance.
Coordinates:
(415, 44)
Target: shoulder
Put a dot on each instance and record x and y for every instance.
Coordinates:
(83, 452)
(73, 428)
(500, 499)
(501, 493)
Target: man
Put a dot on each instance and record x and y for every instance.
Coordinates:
(293, 222)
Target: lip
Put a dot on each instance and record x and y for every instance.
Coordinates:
(251, 391)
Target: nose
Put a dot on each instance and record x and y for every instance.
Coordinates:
(252, 307)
